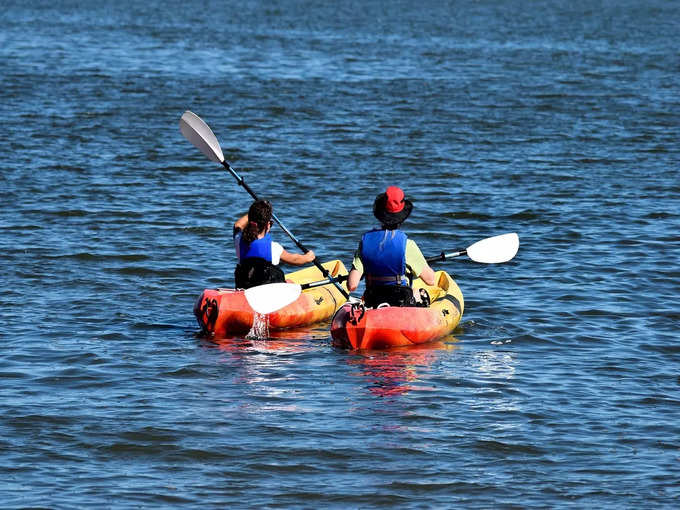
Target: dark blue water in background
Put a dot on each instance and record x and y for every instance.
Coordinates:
(557, 120)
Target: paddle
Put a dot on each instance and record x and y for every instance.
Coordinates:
(271, 297)
(492, 250)
(201, 136)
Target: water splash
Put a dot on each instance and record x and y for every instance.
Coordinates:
(260, 327)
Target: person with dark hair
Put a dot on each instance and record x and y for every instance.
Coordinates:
(388, 259)
(258, 255)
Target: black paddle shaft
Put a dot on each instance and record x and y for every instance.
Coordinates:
(328, 280)
(444, 256)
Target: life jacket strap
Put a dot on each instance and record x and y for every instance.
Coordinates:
(398, 279)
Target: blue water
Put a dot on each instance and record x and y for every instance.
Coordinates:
(556, 120)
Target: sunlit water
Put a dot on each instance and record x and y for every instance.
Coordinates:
(555, 120)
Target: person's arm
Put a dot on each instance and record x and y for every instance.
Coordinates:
(415, 259)
(353, 279)
(241, 223)
(297, 259)
(427, 274)
(356, 272)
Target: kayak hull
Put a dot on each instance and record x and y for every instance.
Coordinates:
(223, 312)
(382, 328)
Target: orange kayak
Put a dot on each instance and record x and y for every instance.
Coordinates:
(223, 312)
(356, 327)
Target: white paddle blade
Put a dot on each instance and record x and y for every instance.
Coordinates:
(199, 133)
(265, 299)
(494, 250)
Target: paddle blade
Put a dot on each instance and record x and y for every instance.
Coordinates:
(265, 299)
(199, 133)
(494, 250)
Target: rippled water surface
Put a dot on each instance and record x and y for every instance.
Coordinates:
(557, 120)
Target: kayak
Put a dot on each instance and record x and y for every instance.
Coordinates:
(222, 312)
(357, 327)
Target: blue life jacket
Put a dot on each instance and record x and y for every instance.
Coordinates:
(383, 253)
(261, 248)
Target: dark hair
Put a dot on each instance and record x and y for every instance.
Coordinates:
(259, 216)
(390, 226)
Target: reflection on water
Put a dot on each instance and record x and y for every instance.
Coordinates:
(494, 389)
(241, 347)
(387, 372)
(260, 338)
(496, 364)
(260, 372)
(398, 371)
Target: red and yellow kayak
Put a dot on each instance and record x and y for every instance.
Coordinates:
(356, 327)
(222, 312)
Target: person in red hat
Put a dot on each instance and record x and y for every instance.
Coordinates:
(387, 258)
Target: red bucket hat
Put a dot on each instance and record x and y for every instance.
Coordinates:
(391, 208)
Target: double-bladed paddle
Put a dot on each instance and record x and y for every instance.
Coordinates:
(199, 133)
(271, 297)
(274, 296)
(492, 250)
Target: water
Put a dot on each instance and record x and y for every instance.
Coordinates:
(556, 120)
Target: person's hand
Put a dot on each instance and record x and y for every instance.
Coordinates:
(309, 256)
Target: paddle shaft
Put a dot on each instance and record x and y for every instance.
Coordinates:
(278, 222)
(444, 256)
(323, 282)
(316, 262)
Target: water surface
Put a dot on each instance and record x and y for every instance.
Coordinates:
(559, 122)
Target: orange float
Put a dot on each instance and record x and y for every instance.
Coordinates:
(223, 312)
(356, 327)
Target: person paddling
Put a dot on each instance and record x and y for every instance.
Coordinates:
(258, 255)
(389, 260)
